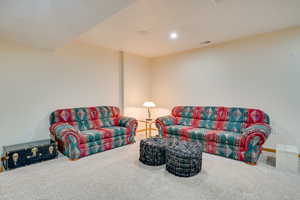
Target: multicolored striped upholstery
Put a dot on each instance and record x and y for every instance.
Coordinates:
(84, 131)
(236, 133)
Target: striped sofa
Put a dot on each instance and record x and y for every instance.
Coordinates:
(81, 132)
(236, 133)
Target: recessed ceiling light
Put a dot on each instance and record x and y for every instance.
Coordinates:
(173, 36)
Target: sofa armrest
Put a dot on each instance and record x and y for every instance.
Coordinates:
(253, 150)
(62, 130)
(258, 130)
(164, 121)
(128, 122)
(255, 141)
(69, 136)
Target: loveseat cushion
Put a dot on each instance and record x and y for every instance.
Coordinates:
(102, 133)
(218, 136)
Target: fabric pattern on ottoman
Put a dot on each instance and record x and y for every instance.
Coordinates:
(153, 151)
(184, 158)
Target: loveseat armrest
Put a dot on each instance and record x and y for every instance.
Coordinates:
(129, 122)
(164, 121)
(260, 130)
(69, 136)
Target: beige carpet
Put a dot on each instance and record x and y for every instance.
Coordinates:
(118, 175)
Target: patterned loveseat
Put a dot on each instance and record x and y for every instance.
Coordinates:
(236, 133)
(81, 132)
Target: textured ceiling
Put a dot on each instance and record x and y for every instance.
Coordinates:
(143, 27)
(53, 23)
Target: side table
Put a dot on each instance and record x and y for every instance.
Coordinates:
(148, 126)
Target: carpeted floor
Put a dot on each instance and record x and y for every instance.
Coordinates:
(118, 175)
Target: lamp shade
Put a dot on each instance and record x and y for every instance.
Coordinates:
(149, 104)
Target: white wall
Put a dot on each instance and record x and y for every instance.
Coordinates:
(137, 86)
(35, 82)
(261, 72)
(137, 80)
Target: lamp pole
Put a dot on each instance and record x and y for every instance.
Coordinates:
(149, 113)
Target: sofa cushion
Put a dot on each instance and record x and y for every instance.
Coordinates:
(218, 136)
(95, 124)
(104, 141)
(88, 117)
(210, 124)
(84, 114)
(233, 114)
(102, 133)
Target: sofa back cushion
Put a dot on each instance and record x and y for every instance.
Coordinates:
(86, 118)
(219, 118)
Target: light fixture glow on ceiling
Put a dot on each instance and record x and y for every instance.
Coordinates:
(173, 36)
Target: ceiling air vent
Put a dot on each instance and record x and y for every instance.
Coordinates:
(205, 42)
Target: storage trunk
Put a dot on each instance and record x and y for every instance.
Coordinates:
(28, 153)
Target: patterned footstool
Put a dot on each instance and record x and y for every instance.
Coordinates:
(153, 151)
(184, 158)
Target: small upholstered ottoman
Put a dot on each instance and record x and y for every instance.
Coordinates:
(153, 151)
(184, 158)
